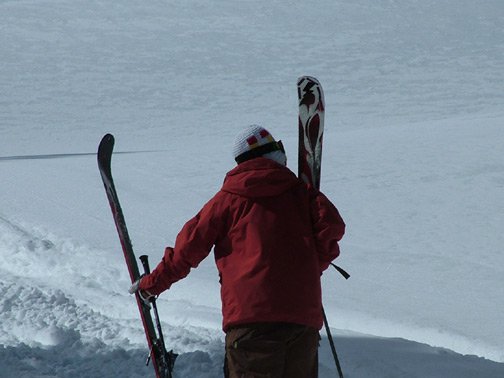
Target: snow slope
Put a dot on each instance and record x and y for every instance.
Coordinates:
(412, 158)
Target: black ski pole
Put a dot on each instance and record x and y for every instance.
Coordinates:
(331, 342)
(328, 330)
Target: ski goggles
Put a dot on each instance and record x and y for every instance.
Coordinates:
(260, 151)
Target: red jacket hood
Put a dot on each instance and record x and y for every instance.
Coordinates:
(260, 177)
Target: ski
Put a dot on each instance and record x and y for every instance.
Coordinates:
(162, 360)
(311, 132)
(311, 129)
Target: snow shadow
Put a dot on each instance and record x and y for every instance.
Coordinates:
(360, 357)
(27, 362)
(73, 358)
(375, 357)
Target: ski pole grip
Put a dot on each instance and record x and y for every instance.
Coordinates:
(145, 263)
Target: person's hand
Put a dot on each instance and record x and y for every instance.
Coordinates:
(144, 295)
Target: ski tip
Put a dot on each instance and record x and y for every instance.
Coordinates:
(105, 149)
(108, 138)
(307, 78)
(107, 142)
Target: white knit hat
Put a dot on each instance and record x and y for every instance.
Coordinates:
(255, 141)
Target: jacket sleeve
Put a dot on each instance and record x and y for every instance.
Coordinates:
(194, 242)
(328, 228)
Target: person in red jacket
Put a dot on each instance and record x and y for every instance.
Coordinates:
(272, 236)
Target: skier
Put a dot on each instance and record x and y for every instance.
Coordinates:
(273, 237)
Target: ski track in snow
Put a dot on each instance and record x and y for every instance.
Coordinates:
(412, 158)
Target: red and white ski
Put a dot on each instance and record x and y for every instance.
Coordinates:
(311, 129)
(311, 132)
(162, 360)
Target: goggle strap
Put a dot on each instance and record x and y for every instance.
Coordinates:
(260, 151)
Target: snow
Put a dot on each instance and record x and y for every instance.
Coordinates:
(412, 158)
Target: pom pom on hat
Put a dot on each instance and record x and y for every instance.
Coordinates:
(255, 141)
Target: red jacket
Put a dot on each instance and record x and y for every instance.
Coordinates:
(273, 237)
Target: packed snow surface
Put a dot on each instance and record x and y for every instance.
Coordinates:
(413, 159)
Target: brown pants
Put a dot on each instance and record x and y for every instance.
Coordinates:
(272, 350)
